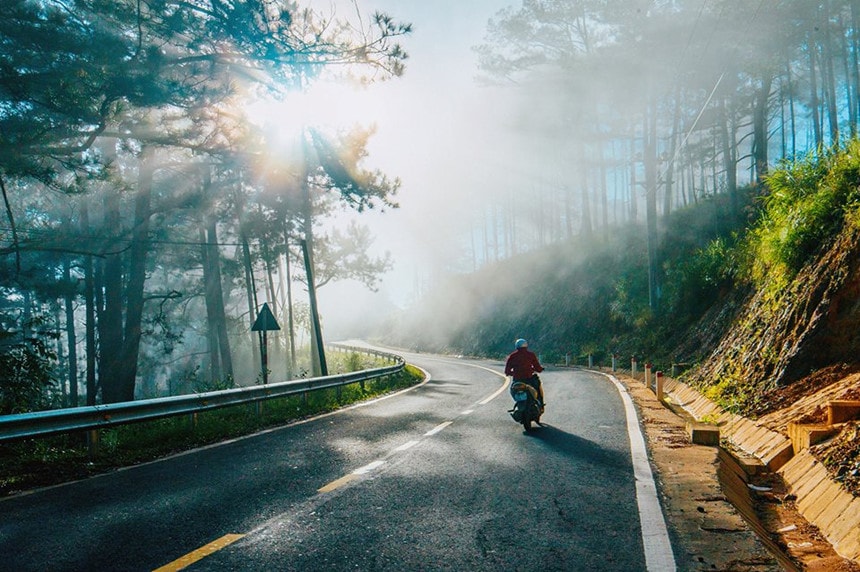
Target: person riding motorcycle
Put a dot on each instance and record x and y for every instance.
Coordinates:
(523, 366)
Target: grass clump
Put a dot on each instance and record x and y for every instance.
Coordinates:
(807, 205)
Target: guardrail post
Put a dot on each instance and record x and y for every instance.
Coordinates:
(659, 386)
(590, 361)
(633, 365)
(648, 375)
(93, 441)
(614, 362)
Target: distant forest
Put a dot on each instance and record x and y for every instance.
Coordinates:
(652, 106)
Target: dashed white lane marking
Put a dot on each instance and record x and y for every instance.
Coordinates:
(368, 468)
(209, 549)
(438, 428)
(336, 484)
(406, 446)
(655, 535)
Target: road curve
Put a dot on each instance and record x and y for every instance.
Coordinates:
(436, 478)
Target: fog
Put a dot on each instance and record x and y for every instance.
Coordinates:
(450, 139)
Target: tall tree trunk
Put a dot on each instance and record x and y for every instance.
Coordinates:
(650, 159)
(604, 199)
(634, 208)
(855, 64)
(110, 311)
(218, 299)
(760, 131)
(89, 309)
(316, 358)
(673, 145)
(792, 116)
(813, 86)
(220, 352)
(586, 228)
(783, 139)
(850, 85)
(215, 372)
(251, 290)
(829, 77)
(136, 277)
(71, 337)
(291, 363)
(61, 357)
(730, 161)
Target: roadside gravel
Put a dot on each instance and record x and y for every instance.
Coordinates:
(708, 532)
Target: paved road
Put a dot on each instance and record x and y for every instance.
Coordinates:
(436, 478)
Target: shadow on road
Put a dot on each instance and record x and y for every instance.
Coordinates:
(580, 448)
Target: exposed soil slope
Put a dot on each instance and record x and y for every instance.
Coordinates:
(778, 340)
(784, 356)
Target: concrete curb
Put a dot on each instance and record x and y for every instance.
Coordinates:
(821, 500)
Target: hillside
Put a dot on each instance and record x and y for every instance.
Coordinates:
(764, 304)
(590, 296)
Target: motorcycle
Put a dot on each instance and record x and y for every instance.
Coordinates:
(526, 407)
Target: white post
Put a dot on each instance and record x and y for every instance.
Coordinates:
(614, 365)
(648, 375)
(660, 386)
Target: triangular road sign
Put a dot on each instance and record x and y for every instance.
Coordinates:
(265, 321)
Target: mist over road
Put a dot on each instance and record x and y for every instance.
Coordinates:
(436, 478)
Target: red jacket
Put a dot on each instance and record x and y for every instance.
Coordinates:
(522, 364)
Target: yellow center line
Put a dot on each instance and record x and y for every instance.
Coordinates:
(200, 553)
(337, 483)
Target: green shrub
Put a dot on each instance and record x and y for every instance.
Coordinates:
(806, 207)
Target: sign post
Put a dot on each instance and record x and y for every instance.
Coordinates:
(265, 322)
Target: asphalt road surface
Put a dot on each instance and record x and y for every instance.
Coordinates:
(435, 478)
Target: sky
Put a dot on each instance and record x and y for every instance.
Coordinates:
(441, 132)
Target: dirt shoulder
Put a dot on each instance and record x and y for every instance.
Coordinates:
(709, 532)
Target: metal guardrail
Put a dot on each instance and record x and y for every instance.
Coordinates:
(42, 423)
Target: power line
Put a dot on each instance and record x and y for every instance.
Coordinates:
(717, 83)
(34, 234)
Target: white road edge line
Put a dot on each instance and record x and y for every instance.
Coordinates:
(655, 535)
(498, 391)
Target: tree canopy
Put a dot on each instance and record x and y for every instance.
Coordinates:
(126, 155)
